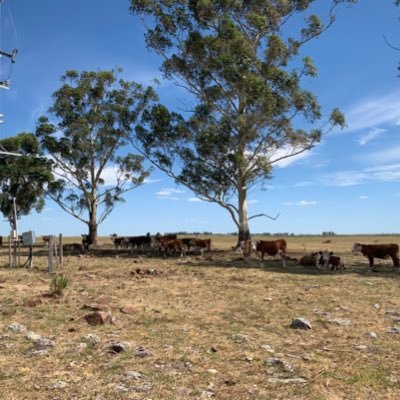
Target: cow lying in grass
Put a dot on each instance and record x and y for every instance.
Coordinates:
(382, 251)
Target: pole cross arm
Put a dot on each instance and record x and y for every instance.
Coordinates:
(12, 55)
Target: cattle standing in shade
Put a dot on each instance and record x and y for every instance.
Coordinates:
(272, 248)
(382, 251)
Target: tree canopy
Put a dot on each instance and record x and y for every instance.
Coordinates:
(85, 133)
(240, 61)
(24, 178)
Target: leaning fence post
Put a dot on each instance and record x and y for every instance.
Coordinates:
(51, 250)
(61, 252)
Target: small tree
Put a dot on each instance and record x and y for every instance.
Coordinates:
(24, 178)
(85, 135)
(241, 65)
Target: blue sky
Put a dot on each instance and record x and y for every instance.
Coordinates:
(348, 184)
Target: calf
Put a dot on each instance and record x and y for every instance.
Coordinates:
(327, 259)
(272, 248)
(372, 251)
(85, 242)
(118, 241)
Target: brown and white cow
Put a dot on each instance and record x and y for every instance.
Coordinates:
(201, 245)
(174, 246)
(272, 248)
(382, 251)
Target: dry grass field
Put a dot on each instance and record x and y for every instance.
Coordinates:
(197, 327)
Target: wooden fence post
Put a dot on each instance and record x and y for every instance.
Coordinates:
(51, 250)
(61, 253)
(9, 252)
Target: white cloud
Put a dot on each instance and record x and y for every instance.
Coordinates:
(149, 181)
(303, 184)
(383, 173)
(195, 200)
(370, 136)
(290, 160)
(169, 192)
(252, 201)
(302, 203)
(373, 112)
(363, 197)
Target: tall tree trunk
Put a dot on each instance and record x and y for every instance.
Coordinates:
(92, 235)
(244, 231)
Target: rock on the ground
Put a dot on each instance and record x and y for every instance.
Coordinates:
(287, 381)
(16, 327)
(142, 352)
(340, 321)
(276, 362)
(239, 337)
(99, 318)
(301, 323)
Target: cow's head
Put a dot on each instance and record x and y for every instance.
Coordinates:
(356, 247)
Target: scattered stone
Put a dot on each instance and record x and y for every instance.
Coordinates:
(239, 337)
(276, 362)
(340, 321)
(59, 385)
(212, 371)
(35, 337)
(118, 347)
(91, 337)
(287, 381)
(16, 327)
(393, 313)
(300, 323)
(360, 347)
(145, 388)
(188, 365)
(207, 394)
(142, 352)
(372, 335)
(377, 306)
(230, 382)
(249, 358)
(99, 318)
(213, 349)
(134, 375)
(394, 329)
(121, 388)
(267, 348)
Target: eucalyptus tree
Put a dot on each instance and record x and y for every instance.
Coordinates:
(24, 178)
(240, 62)
(85, 135)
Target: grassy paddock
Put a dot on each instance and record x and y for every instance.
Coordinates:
(187, 316)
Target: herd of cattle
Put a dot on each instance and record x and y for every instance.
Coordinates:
(170, 245)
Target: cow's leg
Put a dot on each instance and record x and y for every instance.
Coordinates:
(283, 258)
(395, 263)
(371, 262)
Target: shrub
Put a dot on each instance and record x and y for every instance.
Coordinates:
(58, 284)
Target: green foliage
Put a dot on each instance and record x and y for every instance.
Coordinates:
(58, 283)
(85, 134)
(240, 60)
(23, 178)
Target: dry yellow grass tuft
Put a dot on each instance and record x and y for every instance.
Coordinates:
(199, 327)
